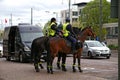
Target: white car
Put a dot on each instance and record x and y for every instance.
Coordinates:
(1, 49)
(93, 48)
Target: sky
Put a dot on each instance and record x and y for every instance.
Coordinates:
(20, 10)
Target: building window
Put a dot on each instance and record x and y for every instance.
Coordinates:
(116, 30)
(74, 19)
(80, 11)
(74, 13)
(112, 32)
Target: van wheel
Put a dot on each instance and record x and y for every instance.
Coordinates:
(21, 58)
(8, 58)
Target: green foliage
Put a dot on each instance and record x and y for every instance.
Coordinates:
(91, 13)
(113, 47)
(78, 24)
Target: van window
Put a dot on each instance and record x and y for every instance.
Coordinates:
(6, 32)
(29, 36)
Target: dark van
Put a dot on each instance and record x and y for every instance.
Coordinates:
(17, 41)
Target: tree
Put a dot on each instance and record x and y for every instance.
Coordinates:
(78, 24)
(91, 13)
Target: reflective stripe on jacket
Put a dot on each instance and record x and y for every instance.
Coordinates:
(65, 31)
(51, 31)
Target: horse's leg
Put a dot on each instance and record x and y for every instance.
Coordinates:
(36, 61)
(51, 65)
(40, 63)
(74, 62)
(63, 62)
(58, 61)
(48, 61)
(48, 70)
(79, 64)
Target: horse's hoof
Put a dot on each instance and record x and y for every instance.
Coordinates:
(58, 65)
(37, 70)
(74, 70)
(80, 70)
(52, 72)
(48, 71)
(42, 67)
(64, 69)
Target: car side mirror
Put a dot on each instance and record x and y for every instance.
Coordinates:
(85, 46)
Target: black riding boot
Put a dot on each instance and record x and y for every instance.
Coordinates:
(73, 49)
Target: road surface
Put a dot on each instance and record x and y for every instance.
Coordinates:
(93, 69)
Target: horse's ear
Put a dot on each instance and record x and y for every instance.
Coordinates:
(80, 29)
(89, 26)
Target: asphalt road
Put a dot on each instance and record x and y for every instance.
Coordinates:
(93, 69)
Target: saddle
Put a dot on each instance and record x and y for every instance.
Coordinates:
(78, 45)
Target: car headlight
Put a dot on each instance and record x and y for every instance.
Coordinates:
(26, 48)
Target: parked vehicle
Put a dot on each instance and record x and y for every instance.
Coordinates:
(1, 49)
(94, 48)
(17, 41)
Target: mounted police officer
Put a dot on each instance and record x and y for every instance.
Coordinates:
(69, 34)
(53, 30)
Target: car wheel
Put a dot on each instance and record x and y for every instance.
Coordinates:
(8, 58)
(90, 54)
(21, 58)
(108, 57)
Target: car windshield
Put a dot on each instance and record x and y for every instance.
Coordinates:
(94, 44)
(30, 36)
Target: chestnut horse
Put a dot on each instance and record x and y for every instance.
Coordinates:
(58, 44)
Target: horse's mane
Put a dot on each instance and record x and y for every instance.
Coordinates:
(76, 30)
(85, 28)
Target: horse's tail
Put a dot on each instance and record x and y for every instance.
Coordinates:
(32, 51)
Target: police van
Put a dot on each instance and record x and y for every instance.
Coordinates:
(17, 41)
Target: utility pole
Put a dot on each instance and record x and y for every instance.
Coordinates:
(56, 15)
(69, 8)
(100, 21)
(118, 39)
(11, 19)
(31, 16)
(115, 13)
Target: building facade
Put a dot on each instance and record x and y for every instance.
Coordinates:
(74, 12)
(112, 28)
(112, 33)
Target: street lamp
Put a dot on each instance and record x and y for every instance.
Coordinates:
(31, 16)
(69, 9)
(100, 20)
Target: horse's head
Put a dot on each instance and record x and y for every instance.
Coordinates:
(90, 32)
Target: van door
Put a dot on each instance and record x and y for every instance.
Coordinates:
(5, 41)
(11, 41)
(17, 42)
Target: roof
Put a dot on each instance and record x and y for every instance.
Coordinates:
(80, 4)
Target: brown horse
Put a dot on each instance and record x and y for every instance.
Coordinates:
(57, 44)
